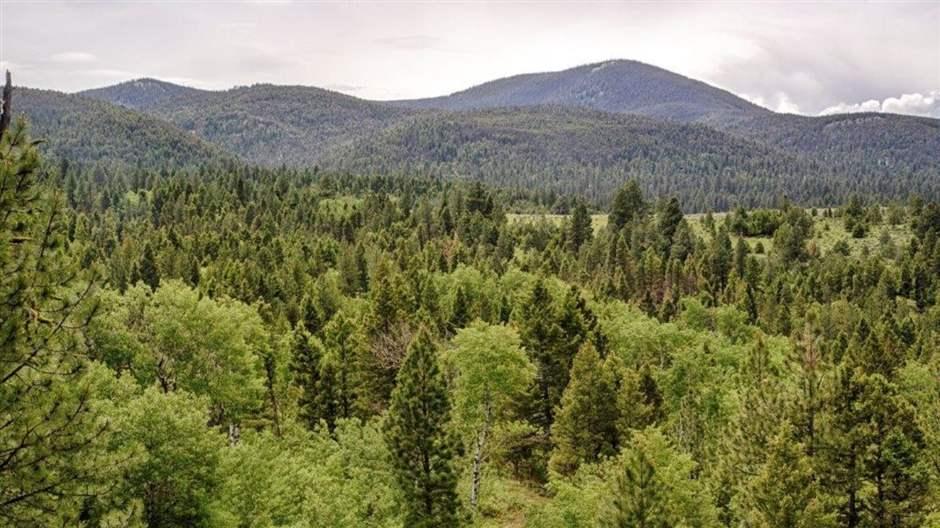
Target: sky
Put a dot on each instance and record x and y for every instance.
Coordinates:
(801, 57)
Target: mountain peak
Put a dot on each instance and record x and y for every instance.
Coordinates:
(617, 85)
(141, 94)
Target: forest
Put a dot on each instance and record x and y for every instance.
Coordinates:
(224, 345)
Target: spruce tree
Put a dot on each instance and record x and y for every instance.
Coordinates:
(543, 339)
(416, 431)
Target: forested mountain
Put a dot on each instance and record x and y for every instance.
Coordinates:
(144, 94)
(82, 130)
(572, 132)
(887, 140)
(588, 153)
(884, 144)
(265, 124)
(622, 86)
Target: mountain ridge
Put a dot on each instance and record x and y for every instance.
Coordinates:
(826, 156)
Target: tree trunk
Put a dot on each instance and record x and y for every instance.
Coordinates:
(478, 458)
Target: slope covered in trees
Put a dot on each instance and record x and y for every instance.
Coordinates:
(144, 94)
(618, 86)
(814, 160)
(82, 130)
(580, 152)
(264, 124)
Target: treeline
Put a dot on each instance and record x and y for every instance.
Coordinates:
(234, 346)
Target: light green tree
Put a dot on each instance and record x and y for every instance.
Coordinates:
(656, 487)
(177, 475)
(491, 373)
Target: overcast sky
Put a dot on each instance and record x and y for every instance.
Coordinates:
(807, 57)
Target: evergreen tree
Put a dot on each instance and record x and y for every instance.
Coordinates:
(417, 436)
(147, 268)
(785, 492)
(306, 353)
(49, 402)
(670, 217)
(460, 313)
(628, 205)
(581, 230)
(585, 428)
(542, 338)
(655, 488)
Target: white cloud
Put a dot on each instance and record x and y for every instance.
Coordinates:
(918, 104)
(778, 102)
(73, 57)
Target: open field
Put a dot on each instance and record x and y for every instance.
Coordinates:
(827, 231)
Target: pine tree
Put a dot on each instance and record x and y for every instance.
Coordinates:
(417, 436)
(148, 268)
(785, 492)
(49, 408)
(580, 230)
(655, 488)
(585, 428)
(628, 204)
(669, 219)
(870, 454)
(306, 353)
(543, 339)
(460, 313)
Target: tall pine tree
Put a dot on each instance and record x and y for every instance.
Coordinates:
(417, 436)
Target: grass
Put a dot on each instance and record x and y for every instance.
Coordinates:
(827, 231)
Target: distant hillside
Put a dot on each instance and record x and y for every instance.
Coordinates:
(591, 153)
(871, 141)
(582, 130)
(878, 140)
(143, 94)
(86, 130)
(266, 124)
(620, 86)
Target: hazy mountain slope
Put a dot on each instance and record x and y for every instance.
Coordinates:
(143, 94)
(591, 153)
(86, 130)
(296, 125)
(632, 87)
(272, 125)
(881, 139)
(614, 86)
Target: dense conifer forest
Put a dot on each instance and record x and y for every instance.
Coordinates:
(217, 344)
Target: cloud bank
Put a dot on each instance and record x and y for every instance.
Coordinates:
(917, 104)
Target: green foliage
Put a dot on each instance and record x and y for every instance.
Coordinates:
(656, 487)
(177, 472)
(416, 433)
(180, 341)
(585, 429)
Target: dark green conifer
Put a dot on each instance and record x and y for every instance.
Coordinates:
(417, 436)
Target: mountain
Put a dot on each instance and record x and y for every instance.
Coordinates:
(887, 140)
(87, 130)
(586, 152)
(582, 130)
(143, 94)
(620, 86)
(264, 124)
